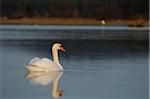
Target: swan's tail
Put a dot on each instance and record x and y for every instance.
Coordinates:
(29, 68)
(26, 66)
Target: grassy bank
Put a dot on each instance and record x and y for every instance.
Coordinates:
(73, 21)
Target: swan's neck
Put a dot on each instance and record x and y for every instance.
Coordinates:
(55, 58)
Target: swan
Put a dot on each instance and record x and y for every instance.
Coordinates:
(45, 64)
(45, 78)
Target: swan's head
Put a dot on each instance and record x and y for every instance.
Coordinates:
(58, 46)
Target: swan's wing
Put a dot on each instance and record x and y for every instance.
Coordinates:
(34, 60)
(44, 63)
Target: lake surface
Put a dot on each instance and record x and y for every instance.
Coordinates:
(67, 32)
(93, 69)
(69, 27)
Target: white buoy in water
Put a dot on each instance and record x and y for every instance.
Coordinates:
(103, 22)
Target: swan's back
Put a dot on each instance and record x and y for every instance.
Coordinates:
(43, 64)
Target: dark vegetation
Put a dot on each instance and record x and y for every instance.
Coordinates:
(92, 9)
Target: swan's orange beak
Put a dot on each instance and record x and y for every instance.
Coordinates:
(62, 49)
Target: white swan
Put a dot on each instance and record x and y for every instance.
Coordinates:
(45, 64)
(45, 78)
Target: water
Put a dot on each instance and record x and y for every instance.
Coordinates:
(53, 32)
(93, 69)
(68, 27)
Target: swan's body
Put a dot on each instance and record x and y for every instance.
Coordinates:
(45, 64)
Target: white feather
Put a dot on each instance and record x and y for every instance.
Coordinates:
(34, 60)
(45, 64)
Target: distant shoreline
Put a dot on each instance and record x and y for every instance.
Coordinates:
(73, 21)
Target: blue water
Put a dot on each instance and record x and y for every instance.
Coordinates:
(92, 69)
(68, 27)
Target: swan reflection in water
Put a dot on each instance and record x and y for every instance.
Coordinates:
(45, 78)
